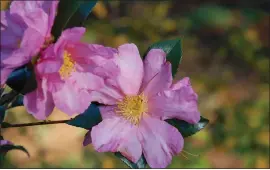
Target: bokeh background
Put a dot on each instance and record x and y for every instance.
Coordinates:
(226, 54)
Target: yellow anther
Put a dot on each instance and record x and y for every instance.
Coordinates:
(68, 66)
(132, 108)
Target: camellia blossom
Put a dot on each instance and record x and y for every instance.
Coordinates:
(25, 28)
(67, 72)
(139, 99)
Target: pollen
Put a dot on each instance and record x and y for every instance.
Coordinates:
(132, 108)
(68, 66)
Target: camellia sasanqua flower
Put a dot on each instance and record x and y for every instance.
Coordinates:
(67, 72)
(143, 97)
(25, 28)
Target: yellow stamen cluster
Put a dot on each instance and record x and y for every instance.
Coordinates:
(68, 66)
(132, 108)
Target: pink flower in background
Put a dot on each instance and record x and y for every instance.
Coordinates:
(5, 142)
(25, 27)
(139, 100)
(67, 72)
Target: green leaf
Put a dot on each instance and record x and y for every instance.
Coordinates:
(22, 80)
(2, 114)
(71, 13)
(8, 97)
(187, 129)
(91, 117)
(139, 165)
(2, 91)
(173, 50)
(18, 101)
(6, 148)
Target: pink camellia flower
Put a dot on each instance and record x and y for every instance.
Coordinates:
(25, 27)
(67, 72)
(139, 100)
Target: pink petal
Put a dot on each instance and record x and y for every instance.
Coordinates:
(55, 83)
(81, 53)
(181, 104)
(71, 100)
(117, 135)
(50, 7)
(91, 53)
(23, 7)
(153, 64)
(13, 23)
(85, 54)
(4, 18)
(86, 80)
(182, 83)
(32, 41)
(87, 138)
(47, 66)
(9, 40)
(159, 82)
(16, 59)
(5, 72)
(160, 141)
(108, 69)
(71, 35)
(100, 50)
(108, 95)
(30, 46)
(37, 20)
(48, 53)
(5, 53)
(131, 69)
(108, 112)
(32, 14)
(102, 98)
(39, 103)
(5, 142)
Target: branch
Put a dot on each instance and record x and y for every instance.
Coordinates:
(48, 122)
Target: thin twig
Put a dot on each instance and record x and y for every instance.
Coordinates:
(48, 122)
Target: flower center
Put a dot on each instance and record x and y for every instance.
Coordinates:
(68, 66)
(132, 108)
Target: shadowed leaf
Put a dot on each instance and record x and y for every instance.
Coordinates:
(173, 50)
(187, 129)
(139, 165)
(71, 13)
(88, 119)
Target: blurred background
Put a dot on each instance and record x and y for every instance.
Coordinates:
(226, 53)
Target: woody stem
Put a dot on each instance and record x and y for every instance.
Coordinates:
(48, 122)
